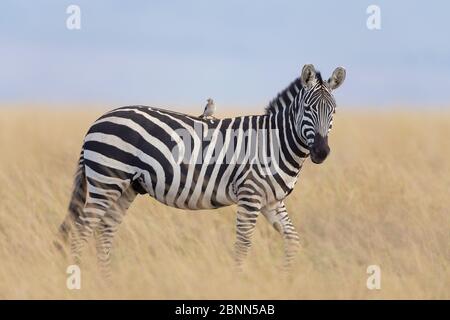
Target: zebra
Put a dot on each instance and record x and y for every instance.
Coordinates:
(133, 150)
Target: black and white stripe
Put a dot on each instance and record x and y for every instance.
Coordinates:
(251, 161)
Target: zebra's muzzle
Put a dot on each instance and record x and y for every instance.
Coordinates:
(319, 149)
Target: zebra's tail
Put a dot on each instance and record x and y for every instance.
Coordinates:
(76, 204)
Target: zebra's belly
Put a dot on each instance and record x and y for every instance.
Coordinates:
(184, 190)
(186, 206)
(191, 203)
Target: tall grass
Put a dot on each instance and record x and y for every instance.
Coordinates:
(382, 197)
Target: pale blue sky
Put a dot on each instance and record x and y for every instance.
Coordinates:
(178, 53)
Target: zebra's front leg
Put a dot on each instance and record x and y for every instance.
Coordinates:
(278, 217)
(247, 215)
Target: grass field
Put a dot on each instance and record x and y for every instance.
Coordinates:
(382, 197)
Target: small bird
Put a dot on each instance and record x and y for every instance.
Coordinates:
(210, 108)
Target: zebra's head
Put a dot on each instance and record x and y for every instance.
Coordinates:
(315, 109)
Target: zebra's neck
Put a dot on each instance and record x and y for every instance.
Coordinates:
(285, 108)
(293, 150)
(285, 98)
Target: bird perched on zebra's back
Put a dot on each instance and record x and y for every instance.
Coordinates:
(210, 108)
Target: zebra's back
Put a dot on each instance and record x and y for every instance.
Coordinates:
(174, 157)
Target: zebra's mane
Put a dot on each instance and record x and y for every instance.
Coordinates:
(292, 89)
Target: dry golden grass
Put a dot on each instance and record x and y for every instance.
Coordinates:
(382, 197)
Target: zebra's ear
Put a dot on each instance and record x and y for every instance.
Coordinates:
(308, 75)
(337, 78)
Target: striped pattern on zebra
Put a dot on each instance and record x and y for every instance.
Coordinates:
(193, 163)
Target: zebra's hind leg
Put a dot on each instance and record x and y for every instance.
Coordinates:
(83, 227)
(278, 217)
(99, 198)
(103, 241)
(105, 232)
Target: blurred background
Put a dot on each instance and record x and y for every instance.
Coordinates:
(380, 199)
(241, 53)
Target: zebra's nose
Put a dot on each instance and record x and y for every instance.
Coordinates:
(320, 149)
